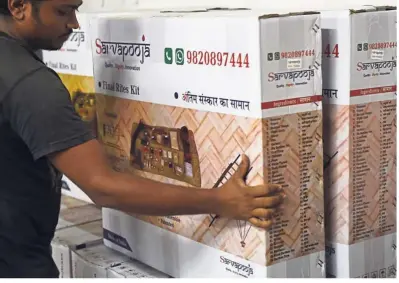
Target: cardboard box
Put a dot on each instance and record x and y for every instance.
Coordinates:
(134, 269)
(359, 109)
(72, 238)
(99, 261)
(93, 262)
(74, 65)
(245, 83)
(78, 215)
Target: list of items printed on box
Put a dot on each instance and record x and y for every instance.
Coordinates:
(373, 161)
(293, 158)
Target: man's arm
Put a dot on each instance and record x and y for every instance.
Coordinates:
(43, 116)
(86, 165)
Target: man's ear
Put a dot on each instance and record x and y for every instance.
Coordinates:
(19, 8)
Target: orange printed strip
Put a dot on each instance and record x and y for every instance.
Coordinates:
(373, 90)
(291, 102)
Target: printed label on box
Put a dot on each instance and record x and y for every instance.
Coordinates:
(294, 63)
(377, 54)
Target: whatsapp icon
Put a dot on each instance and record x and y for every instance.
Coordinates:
(179, 56)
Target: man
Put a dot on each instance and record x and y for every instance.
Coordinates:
(41, 136)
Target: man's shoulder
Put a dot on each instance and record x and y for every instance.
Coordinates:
(18, 63)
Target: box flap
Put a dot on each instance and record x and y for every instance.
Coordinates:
(371, 8)
(235, 12)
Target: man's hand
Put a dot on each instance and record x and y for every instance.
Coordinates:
(255, 204)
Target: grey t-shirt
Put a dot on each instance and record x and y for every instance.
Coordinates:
(37, 118)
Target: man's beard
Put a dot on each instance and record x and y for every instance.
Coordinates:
(43, 44)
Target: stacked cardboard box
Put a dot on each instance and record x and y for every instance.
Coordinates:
(79, 224)
(68, 239)
(180, 109)
(359, 97)
(78, 250)
(134, 269)
(93, 262)
(74, 64)
(101, 262)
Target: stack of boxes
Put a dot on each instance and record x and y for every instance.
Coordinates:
(69, 239)
(134, 269)
(101, 262)
(79, 224)
(78, 249)
(310, 97)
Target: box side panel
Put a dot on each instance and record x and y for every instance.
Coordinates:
(61, 255)
(292, 142)
(186, 125)
(373, 103)
(134, 269)
(359, 139)
(74, 64)
(372, 258)
(81, 89)
(378, 258)
(93, 261)
(290, 64)
(337, 172)
(82, 268)
(374, 110)
(171, 253)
